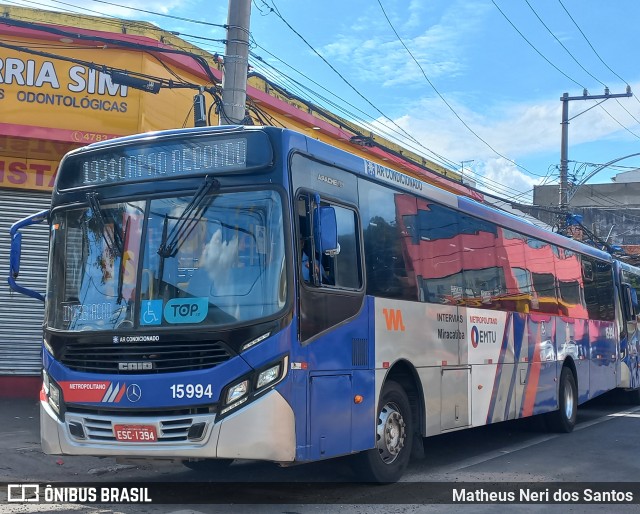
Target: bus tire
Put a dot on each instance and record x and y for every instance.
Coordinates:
(564, 419)
(394, 438)
(208, 466)
(633, 397)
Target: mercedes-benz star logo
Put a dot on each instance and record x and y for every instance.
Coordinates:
(134, 393)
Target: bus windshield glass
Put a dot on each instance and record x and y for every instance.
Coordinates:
(109, 271)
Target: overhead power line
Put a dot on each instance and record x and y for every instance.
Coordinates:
(443, 98)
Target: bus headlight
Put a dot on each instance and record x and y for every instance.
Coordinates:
(253, 385)
(54, 397)
(237, 391)
(52, 391)
(267, 376)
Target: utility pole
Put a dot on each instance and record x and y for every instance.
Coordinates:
(236, 63)
(564, 143)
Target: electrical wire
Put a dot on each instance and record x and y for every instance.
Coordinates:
(450, 163)
(275, 11)
(585, 70)
(275, 74)
(180, 18)
(563, 45)
(333, 68)
(466, 125)
(589, 43)
(558, 69)
(104, 68)
(534, 47)
(115, 42)
(183, 83)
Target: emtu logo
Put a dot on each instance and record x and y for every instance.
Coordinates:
(393, 318)
(474, 336)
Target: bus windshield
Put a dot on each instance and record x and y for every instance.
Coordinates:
(110, 268)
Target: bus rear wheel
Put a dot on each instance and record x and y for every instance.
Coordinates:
(394, 436)
(564, 419)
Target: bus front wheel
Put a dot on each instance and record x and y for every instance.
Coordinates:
(394, 436)
(564, 419)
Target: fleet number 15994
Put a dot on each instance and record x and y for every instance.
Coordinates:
(191, 391)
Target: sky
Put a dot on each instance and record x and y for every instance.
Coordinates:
(459, 81)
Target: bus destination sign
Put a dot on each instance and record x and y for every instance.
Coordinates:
(164, 158)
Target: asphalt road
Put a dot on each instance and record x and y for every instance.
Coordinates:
(604, 448)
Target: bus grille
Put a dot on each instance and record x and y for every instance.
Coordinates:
(144, 358)
(173, 430)
(171, 427)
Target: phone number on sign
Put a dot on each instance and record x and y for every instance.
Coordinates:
(90, 137)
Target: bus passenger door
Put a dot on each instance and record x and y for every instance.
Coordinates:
(330, 280)
(334, 328)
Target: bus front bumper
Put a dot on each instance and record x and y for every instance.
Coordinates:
(262, 430)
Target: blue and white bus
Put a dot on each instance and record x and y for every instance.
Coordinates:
(252, 293)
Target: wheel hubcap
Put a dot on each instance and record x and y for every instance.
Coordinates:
(568, 402)
(391, 433)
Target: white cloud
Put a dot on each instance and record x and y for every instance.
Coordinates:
(517, 131)
(371, 48)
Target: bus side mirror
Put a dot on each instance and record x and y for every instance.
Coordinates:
(14, 256)
(326, 230)
(16, 250)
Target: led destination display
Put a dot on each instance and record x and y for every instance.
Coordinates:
(150, 159)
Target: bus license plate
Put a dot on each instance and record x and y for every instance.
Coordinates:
(135, 433)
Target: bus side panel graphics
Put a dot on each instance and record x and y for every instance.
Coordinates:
(538, 384)
(603, 351)
(502, 406)
(572, 342)
(423, 334)
(429, 337)
(490, 351)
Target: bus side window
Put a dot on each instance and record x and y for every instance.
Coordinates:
(339, 268)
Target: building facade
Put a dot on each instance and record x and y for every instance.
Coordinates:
(611, 211)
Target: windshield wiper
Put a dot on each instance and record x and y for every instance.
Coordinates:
(114, 240)
(188, 220)
(122, 260)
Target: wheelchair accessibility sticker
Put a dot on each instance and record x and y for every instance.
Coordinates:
(151, 312)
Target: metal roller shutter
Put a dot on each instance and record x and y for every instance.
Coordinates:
(20, 316)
